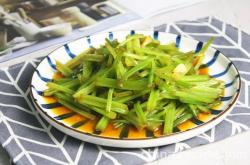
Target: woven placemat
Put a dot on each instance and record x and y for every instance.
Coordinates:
(29, 139)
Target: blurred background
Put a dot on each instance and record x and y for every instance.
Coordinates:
(23, 21)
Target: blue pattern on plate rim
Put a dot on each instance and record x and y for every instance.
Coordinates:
(68, 51)
(51, 105)
(198, 47)
(89, 41)
(42, 78)
(132, 32)
(155, 35)
(212, 61)
(111, 36)
(51, 63)
(178, 41)
(232, 82)
(223, 72)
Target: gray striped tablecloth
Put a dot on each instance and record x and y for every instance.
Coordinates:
(29, 139)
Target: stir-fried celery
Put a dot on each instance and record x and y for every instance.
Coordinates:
(138, 82)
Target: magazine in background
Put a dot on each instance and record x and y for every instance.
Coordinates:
(31, 25)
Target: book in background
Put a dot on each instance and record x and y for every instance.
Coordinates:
(28, 25)
(34, 24)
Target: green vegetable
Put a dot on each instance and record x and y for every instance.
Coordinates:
(66, 71)
(152, 100)
(109, 99)
(102, 124)
(60, 88)
(76, 109)
(140, 113)
(139, 82)
(169, 119)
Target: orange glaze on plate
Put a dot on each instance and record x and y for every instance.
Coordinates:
(111, 131)
(204, 117)
(186, 125)
(204, 71)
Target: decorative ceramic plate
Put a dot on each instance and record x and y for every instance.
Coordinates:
(217, 64)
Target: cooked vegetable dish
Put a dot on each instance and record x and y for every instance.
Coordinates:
(138, 82)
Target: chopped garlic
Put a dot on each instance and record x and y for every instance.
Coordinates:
(180, 69)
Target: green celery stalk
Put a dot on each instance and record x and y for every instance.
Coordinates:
(151, 74)
(193, 109)
(205, 89)
(61, 80)
(133, 120)
(130, 62)
(130, 38)
(99, 73)
(110, 49)
(120, 70)
(75, 109)
(87, 70)
(152, 100)
(66, 71)
(129, 46)
(111, 114)
(192, 96)
(171, 105)
(97, 101)
(203, 108)
(102, 124)
(109, 99)
(143, 73)
(140, 114)
(123, 94)
(146, 41)
(78, 59)
(201, 54)
(136, 45)
(62, 96)
(180, 110)
(136, 68)
(131, 97)
(170, 48)
(60, 88)
(152, 52)
(194, 78)
(182, 119)
(126, 85)
(87, 90)
(135, 56)
(169, 120)
(120, 110)
(71, 100)
(67, 84)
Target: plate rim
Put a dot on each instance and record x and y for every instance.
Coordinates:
(211, 121)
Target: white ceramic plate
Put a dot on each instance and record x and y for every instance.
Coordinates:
(219, 66)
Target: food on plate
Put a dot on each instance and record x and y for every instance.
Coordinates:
(138, 82)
